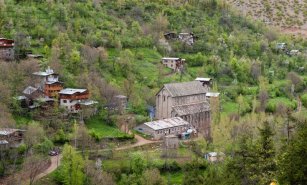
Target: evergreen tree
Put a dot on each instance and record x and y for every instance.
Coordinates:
(292, 163)
(71, 171)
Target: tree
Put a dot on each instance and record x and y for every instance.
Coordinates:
(33, 166)
(152, 177)
(34, 134)
(71, 170)
(96, 176)
(292, 162)
(243, 105)
(266, 155)
(193, 173)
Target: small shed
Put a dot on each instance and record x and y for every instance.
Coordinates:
(205, 81)
(121, 102)
(171, 141)
(170, 36)
(177, 64)
(214, 156)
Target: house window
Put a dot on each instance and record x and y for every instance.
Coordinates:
(163, 98)
(64, 101)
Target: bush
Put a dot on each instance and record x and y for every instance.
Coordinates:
(45, 146)
(273, 103)
(139, 119)
(304, 100)
(60, 137)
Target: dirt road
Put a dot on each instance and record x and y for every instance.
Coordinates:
(55, 162)
(140, 142)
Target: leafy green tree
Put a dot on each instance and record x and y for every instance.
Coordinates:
(71, 170)
(193, 173)
(292, 163)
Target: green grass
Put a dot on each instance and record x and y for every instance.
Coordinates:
(21, 120)
(173, 178)
(229, 107)
(102, 130)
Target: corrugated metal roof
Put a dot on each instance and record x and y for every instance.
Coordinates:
(29, 90)
(203, 79)
(186, 88)
(189, 109)
(7, 131)
(170, 58)
(167, 123)
(72, 91)
(212, 94)
(3, 142)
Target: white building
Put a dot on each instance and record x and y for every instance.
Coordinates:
(70, 99)
(161, 128)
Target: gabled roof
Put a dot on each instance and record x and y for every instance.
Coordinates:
(189, 109)
(72, 91)
(48, 72)
(8, 131)
(167, 123)
(29, 90)
(203, 79)
(185, 88)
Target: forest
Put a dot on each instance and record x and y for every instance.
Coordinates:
(115, 47)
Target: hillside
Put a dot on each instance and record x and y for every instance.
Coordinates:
(290, 16)
(115, 47)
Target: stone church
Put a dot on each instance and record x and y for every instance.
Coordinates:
(187, 100)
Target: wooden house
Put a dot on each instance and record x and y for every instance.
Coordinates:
(187, 38)
(6, 49)
(176, 64)
(49, 82)
(70, 99)
(10, 138)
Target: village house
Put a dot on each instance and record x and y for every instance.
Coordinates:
(10, 138)
(187, 100)
(205, 81)
(187, 38)
(70, 99)
(176, 64)
(6, 49)
(49, 82)
(170, 36)
(161, 128)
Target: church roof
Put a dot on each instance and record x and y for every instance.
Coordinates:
(189, 109)
(186, 88)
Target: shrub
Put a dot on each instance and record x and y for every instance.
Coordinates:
(273, 103)
(304, 100)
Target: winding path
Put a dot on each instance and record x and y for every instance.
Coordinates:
(56, 160)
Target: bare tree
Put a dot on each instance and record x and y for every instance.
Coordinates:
(96, 176)
(84, 140)
(263, 97)
(33, 166)
(128, 86)
(34, 135)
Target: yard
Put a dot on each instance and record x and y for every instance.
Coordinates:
(100, 129)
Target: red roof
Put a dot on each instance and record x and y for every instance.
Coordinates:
(6, 42)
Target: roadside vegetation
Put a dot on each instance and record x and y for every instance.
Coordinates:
(115, 47)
